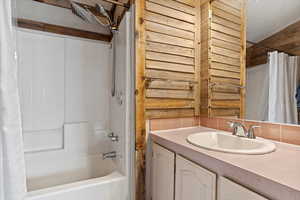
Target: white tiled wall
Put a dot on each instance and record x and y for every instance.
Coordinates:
(65, 92)
(120, 112)
(87, 82)
(41, 80)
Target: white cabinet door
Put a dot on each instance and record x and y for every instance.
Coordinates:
(193, 182)
(229, 190)
(163, 162)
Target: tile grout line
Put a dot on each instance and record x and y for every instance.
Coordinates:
(280, 133)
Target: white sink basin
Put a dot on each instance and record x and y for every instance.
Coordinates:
(224, 142)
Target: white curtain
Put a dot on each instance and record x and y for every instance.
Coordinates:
(257, 92)
(12, 167)
(283, 82)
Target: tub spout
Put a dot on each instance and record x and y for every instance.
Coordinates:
(112, 154)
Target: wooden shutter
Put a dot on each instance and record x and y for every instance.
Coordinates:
(171, 64)
(167, 66)
(223, 58)
(168, 60)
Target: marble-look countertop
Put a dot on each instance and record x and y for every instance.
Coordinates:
(275, 175)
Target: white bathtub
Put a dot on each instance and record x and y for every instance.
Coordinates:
(77, 178)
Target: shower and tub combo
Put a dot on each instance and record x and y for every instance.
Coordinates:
(76, 108)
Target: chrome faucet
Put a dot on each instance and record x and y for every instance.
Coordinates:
(113, 137)
(251, 132)
(112, 154)
(240, 130)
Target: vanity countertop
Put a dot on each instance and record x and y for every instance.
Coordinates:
(275, 175)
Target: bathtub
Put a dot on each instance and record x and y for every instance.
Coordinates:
(77, 178)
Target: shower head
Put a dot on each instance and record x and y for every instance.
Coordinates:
(82, 12)
(103, 12)
(85, 14)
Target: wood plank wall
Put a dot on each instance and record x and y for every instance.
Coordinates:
(286, 40)
(167, 66)
(223, 58)
(51, 28)
(167, 61)
(183, 47)
(171, 47)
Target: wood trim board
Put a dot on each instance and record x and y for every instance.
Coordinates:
(51, 28)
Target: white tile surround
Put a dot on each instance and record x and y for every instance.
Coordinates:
(69, 80)
(67, 112)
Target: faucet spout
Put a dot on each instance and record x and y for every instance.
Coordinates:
(110, 155)
(238, 129)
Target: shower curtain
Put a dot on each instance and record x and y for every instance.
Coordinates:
(12, 167)
(257, 92)
(283, 82)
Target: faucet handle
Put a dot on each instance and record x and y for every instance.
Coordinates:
(231, 124)
(113, 137)
(251, 132)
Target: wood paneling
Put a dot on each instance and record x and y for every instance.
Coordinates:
(286, 40)
(169, 21)
(169, 113)
(169, 94)
(170, 12)
(205, 57)
(223, 58)
(168, 39)
(243, 59)
(168, 65)
(40, 26)
(172, 56)
(157, 104)
(140, 125)
(170, 49)
(189, 61)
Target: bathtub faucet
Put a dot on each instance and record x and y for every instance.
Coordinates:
(112, 154)
(113, 137)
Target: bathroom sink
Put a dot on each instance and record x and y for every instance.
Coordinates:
(225, 142)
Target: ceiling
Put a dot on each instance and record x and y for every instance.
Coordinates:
(266, 17)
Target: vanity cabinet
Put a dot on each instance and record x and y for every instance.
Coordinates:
(193, 182)
(174, 175)
(163, 169)
(228, 190)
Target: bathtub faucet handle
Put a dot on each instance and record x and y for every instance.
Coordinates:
(113, 137)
